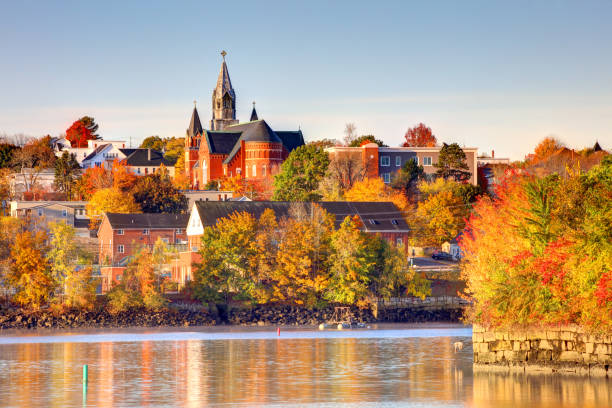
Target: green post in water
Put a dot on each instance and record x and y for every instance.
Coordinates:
(85, 383)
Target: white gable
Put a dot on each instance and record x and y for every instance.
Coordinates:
(194, 226)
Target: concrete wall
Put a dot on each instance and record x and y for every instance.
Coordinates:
(565, 349)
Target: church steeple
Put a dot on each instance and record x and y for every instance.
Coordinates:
(195, 126)
(253, 114)
(223, 100)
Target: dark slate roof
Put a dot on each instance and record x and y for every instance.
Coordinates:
(253, 114)
(150, 221)
(140, 157)
(221, 142)
(195, 126)
(375, 216)
(292, 139)
(224, 84)
(257, 131)
(96, 151)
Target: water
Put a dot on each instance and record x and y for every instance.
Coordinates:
(390, 365)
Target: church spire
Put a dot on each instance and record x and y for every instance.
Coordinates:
(195, 126)
(253, 113)
(223, 100)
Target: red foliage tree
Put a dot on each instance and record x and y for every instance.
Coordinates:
(81, 131)
(420, 136)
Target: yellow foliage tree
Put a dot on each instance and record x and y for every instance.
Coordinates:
(374, 189)
(440, 218)
(180, 179)
(30, 273)
(110, 200)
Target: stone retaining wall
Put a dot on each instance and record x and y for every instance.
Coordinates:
(566, 349)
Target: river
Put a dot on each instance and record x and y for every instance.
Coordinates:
(383, 366)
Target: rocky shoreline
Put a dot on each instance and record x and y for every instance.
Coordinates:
(262, 315)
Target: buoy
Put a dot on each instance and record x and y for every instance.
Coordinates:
(278, 331)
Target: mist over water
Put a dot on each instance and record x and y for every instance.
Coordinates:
(393, 365)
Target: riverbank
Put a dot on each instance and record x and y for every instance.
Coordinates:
(260, 315)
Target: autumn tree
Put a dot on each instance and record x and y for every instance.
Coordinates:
(546, 148)
(300, 174)
(9, 229)
(452, 163)
(180, 180)
(110, 200)
(81, 131)
(67, 170)
(34, 157)
(156, 194)
(7, 151)
(141, 283)
(374, 189)
(440, 218)
(153, 142)
(420, 136)
(29, 273)
(343, 171)
(5, 185)
(325, 143)
(407, 178)
(365, 139)
(92, 180)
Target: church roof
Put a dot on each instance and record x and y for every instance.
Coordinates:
(220, 142)
(292, 139)
(257, 131)
(224, 84)
(195, 126)
(253, 114)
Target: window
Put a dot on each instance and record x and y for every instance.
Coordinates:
(399, 241)
(120, 249)
(394, 222)
(165, 240)
(138, 170)
(203, 164)
(40, 212)
(398, 161)
(385, 161)
(387, 177)
(373, 222)
(119, 232)
(179, 231)
(416, 160)
(64, 213)
(254, 171)
(263, 170)
(427, 161)
(145, 231)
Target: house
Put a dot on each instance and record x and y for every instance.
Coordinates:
(60, 145)
(452, 247)
(382, 218)
(29, 179)
(139, 161)
(384, 162)
(40, 213)
(120, 235)
(206, 195)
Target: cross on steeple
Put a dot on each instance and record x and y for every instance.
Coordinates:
(223, 54)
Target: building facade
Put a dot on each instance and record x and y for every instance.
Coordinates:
(251, 150)
(385, 162)
(40, 213)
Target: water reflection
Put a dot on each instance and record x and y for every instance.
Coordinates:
(353, 371)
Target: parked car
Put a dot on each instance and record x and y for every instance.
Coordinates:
(442, 256)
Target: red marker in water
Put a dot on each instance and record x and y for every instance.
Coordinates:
(278, 331)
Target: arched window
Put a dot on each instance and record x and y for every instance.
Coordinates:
(263, 170)
(254, 171)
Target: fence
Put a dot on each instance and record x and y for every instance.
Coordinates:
(433, 302)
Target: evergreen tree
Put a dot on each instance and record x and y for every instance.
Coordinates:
(452, 163)
(156, 194)
(67, 171)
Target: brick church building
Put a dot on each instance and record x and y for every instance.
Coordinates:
(250, 150)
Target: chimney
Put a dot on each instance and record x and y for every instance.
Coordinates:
(492, 154)
(149, 154)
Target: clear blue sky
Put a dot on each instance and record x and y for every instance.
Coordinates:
(495, 75)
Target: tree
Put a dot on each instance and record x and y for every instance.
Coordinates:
(263, 260)
(91, 181)
(226, 256)
(5, 185)
(7, 151)
(408, 176)
(29, 273)
(172, 147)
(110, 200)
(81, 131)
(365, 139)
(420, 136)
(141, 282)
(546, 148)
(35, 156)
(180, 180)
(300, 174)
(153, 142)
(351, 265)
(349, 133)
(452, 163)
(325, 143)
(67, 170)
(75, 283)
(343, 171)
(156, 194)
(9, 229)
(440, 218)
(374, 189)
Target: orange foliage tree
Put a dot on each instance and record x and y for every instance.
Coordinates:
(81, 131)
(420, 136)
(374, 189)
(546, 148)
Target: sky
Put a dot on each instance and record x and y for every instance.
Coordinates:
(494, 75)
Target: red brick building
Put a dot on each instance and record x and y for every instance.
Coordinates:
(120, 235)
(250, 150)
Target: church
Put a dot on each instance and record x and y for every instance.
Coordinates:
(251, 150)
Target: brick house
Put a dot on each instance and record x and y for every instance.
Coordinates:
(120, 235)
(384, 162)
(382, 218)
